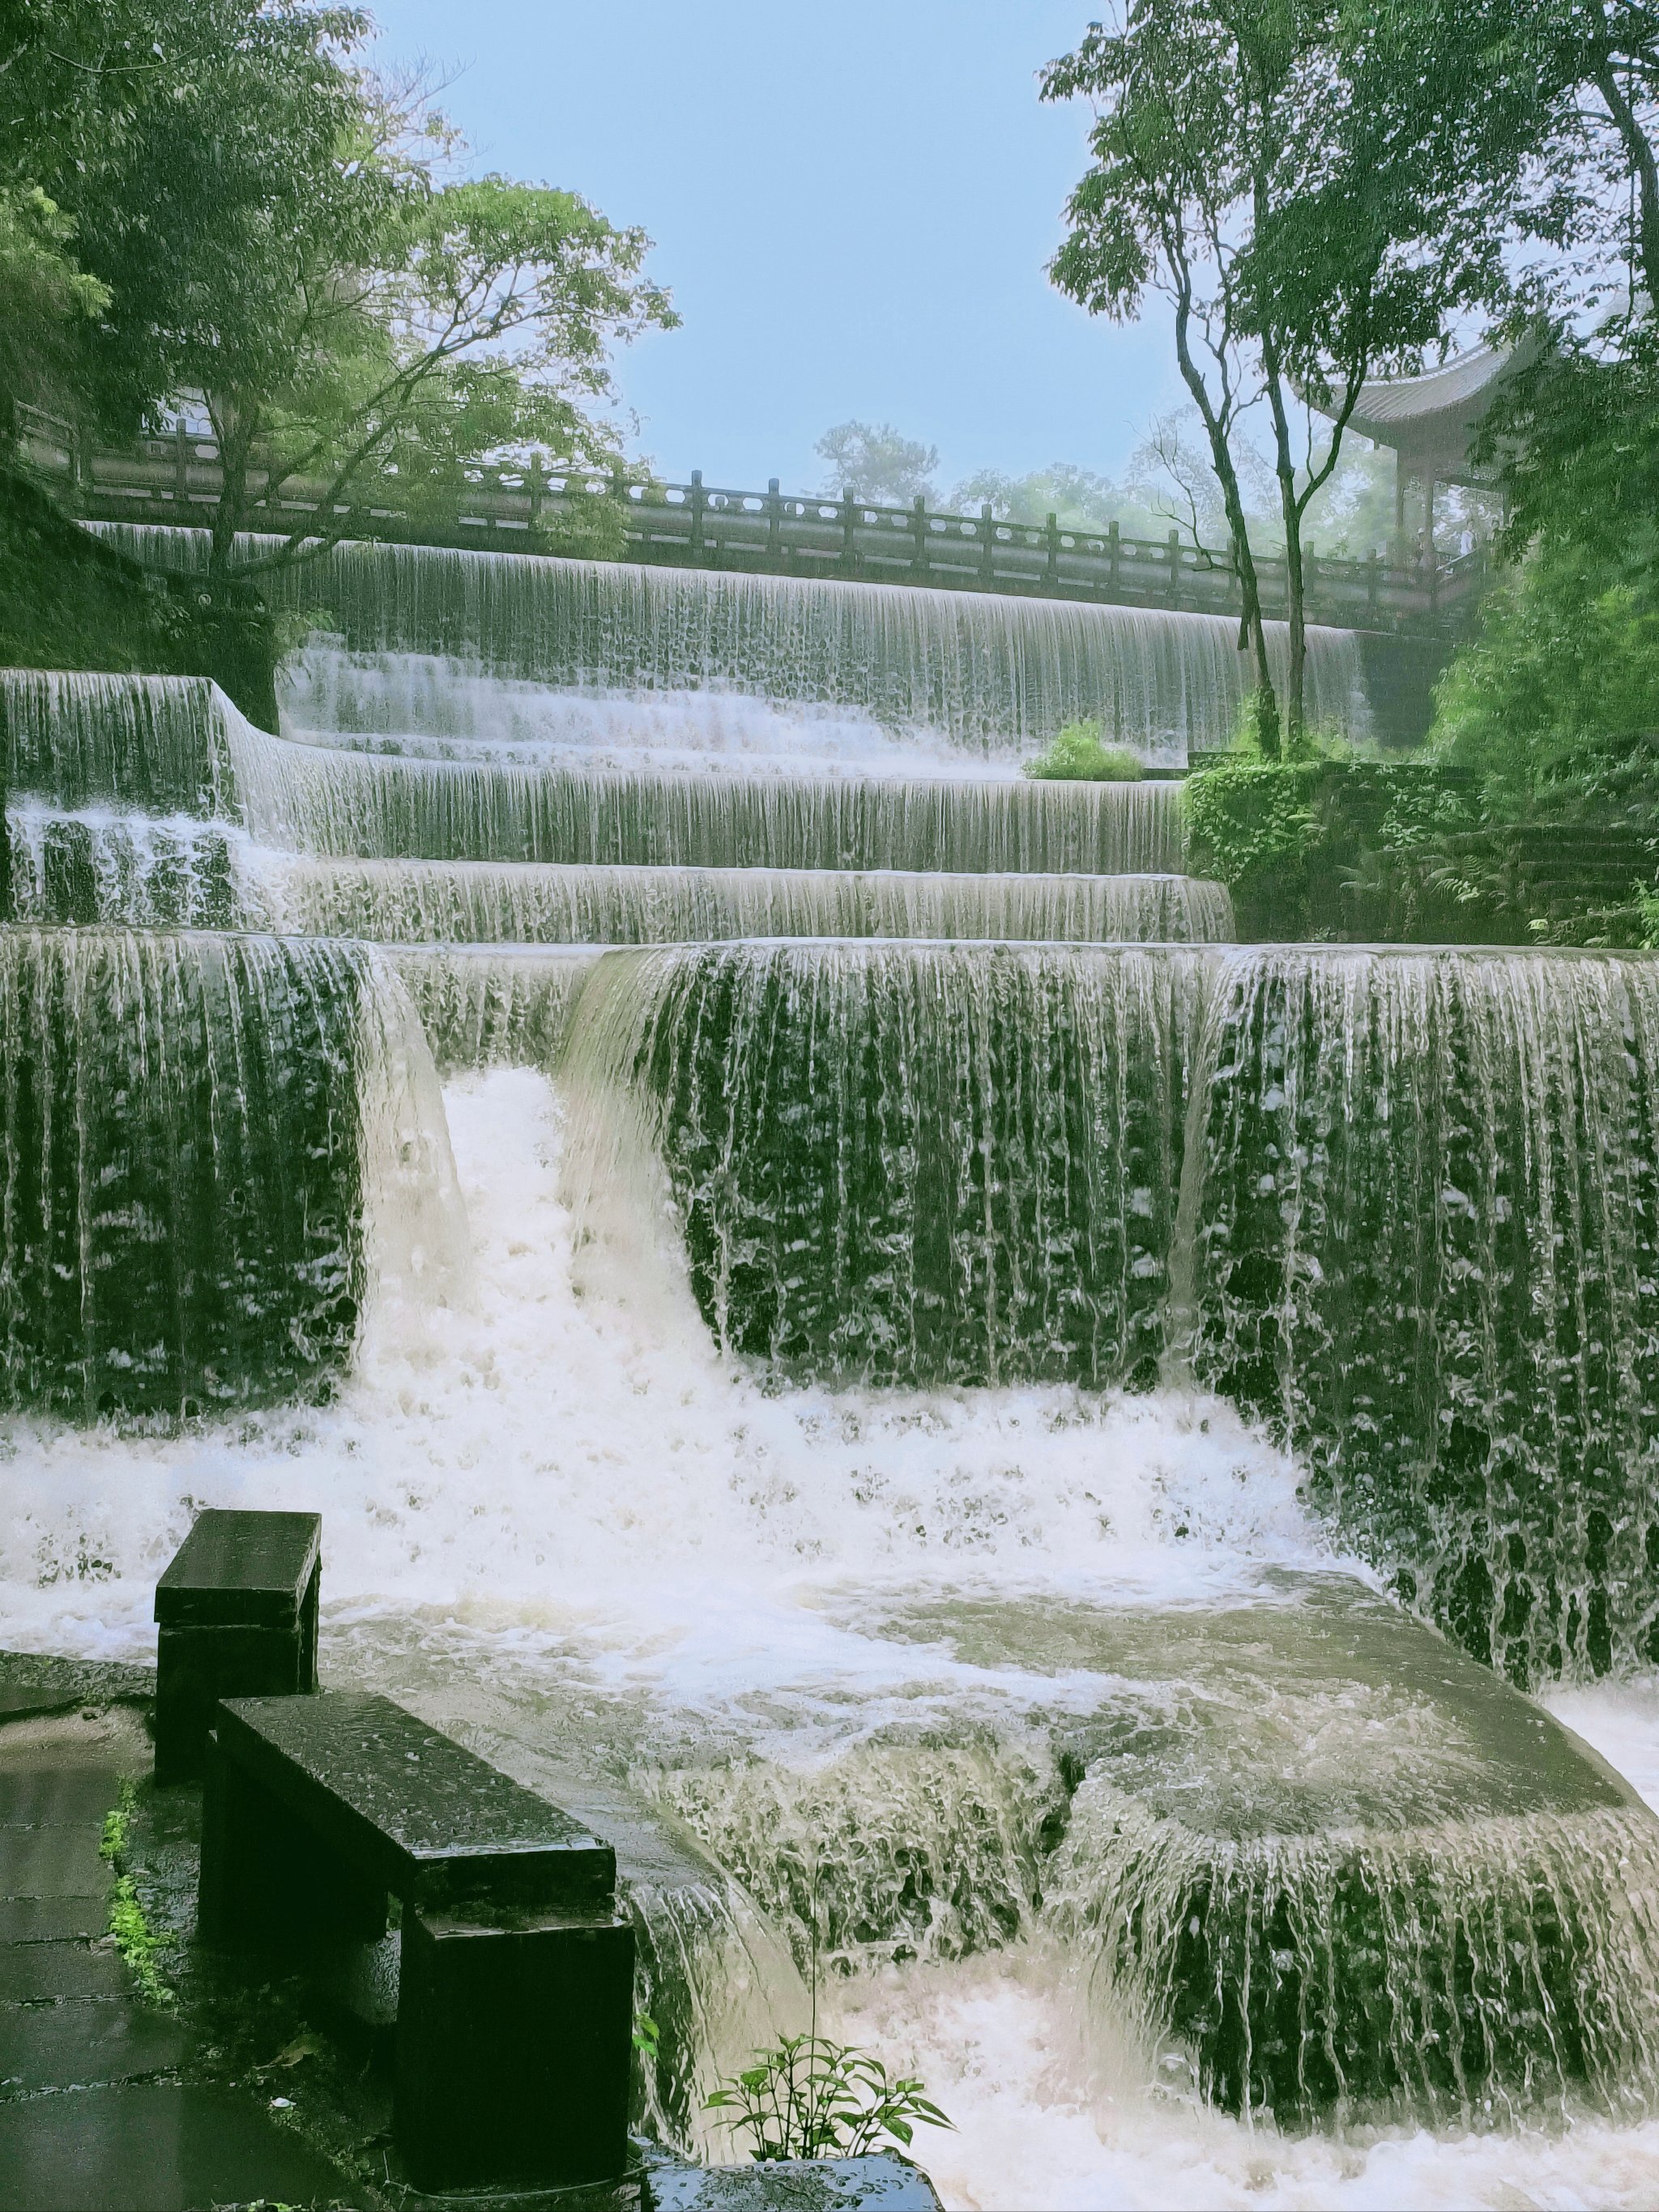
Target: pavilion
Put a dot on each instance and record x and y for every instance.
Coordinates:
(1430, 422)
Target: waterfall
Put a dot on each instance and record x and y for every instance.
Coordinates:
(1381, 1886)
(343, 803)
(911, 1164)
(152, 743)
(1424, 1214)
(420, 902)
(192, 1131)
(996, 674)
(144, 871)
(948, 1363)
(1416, 1188)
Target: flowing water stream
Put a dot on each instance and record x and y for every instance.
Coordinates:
(838, 1325)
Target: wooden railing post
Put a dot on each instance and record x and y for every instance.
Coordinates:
(1373, 582)
(699, 498)
(849, 522)
(1053, 569)
(180, 465)
(988, 532)
(774, 520)
(1175, 567)
(1113, 554)
(919, 525)
(538, 490)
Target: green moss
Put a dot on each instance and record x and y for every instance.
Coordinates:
(138, 1943)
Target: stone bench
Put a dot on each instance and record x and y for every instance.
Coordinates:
(237, 1616)
(512, 2049)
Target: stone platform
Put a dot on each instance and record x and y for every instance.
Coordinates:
(1339, 1866)
(200, 2093)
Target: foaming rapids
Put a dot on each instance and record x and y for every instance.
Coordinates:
(840, 1648)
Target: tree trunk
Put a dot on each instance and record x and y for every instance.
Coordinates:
(1644, 168)
(1296, 581)
(232, 433)
(1263, 707)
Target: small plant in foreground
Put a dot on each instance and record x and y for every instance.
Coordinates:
(1076, 755)
(810, 2097)
(135, 1939)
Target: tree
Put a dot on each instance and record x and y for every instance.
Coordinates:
(297, 256)
(874, 461)
(1239, 171)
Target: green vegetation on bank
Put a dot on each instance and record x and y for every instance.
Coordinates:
(68, 600)
(1078, 754)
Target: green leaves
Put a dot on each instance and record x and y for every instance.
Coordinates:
(1076, 755)
(809, 2097)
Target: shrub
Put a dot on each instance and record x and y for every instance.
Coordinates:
(1076, 755)
(810, 2097)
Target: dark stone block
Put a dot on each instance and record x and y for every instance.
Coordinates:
(268, 1880)
(237, 1608)
(156, 2147)
(512, 2054)
(83, 2042)
(197, 1667)
(511, 2062)
(241, 1569)
(60, 1970)
(415, 1813)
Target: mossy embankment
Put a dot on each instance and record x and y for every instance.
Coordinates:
(69, 600)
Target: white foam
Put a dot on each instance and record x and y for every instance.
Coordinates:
(574, 1457)
(554, 1490)
(433, 707)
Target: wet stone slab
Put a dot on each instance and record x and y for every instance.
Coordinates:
(883, 2180)
(90, 2115)
(160, 2147)
(1339, 1865)
(31, 1683)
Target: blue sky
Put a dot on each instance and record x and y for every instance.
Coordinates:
(852, 203)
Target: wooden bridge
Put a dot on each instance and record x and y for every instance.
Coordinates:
(175, 479)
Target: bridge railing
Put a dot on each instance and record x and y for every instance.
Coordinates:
(508, 507)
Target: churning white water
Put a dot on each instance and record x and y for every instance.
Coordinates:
(666, 1382)
(557, 1523)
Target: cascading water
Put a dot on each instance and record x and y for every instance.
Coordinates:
(142, 870)
(1414, 1227)
(995, 675)
(183, 1171)
(819, 1454)
(349, 803)
(428, 902)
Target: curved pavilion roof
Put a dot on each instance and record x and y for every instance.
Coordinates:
(1430, 420)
